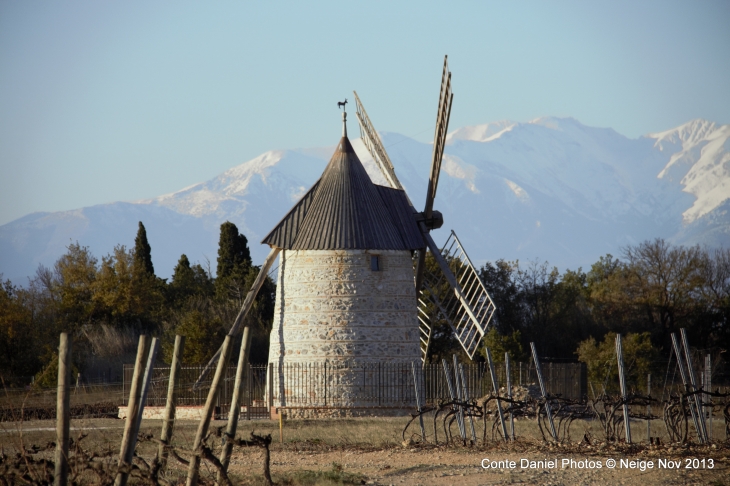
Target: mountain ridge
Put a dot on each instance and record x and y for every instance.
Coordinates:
(550, 189)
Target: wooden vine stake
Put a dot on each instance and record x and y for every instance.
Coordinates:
(707, 386)
(418, 401)
(133, 405)
(495, 387)
(454, 400)
(60, 477)
(168, 421)
(235, 408)
(465, 393)
(509, 394)
(622, 382)
(687, 387)
(548, 410)
(194, 465)
(648, 408)
(693, 382)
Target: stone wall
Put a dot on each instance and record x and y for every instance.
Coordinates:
(331, 307)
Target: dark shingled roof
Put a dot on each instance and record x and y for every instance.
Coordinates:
(344, 210)
(283, 235)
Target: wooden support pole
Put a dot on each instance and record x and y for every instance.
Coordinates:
(548, 410)
(194, 465)
(495, 387)
(60, 477)
(148, 372)
(235, 409)
(509, 395)
(622, 383)
(168, 420)
(245, 308)
(133, 405)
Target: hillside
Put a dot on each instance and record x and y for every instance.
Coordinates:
(549, 189)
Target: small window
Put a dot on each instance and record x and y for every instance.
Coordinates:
(375, 263)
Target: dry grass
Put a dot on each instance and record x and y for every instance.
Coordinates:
(332, 441)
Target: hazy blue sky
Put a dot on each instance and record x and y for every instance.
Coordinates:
(107, 101)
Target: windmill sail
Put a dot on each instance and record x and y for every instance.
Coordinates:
(443, 116)
(372, 141)
(452, 291)
(466, 306)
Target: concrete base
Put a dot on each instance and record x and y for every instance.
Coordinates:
(338, 412)
(185, 413)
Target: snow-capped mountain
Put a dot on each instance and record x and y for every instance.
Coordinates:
(549, 189)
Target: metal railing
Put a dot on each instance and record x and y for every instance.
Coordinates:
(389, 385)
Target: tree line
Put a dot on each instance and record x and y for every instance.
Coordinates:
(104, 305)
(652, 291)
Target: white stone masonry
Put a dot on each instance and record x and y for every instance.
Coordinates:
(331, 307)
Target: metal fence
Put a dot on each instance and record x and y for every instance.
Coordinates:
(566, 379)
(252, 402)
(364, 385)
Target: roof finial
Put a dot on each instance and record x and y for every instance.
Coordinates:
(341, 104)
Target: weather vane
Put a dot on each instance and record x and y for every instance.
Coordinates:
(341, 104)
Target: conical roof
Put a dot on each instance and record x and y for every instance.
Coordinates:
(344, 210)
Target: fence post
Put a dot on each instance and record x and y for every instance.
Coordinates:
(509, 395)
(622, 382)
(495, 386)
(235, 408)
(194, 465)
(538, 371)
(271, 388)
(325, 383)
(691, 373)
(133, 404)
(169, 419)
(60, 477)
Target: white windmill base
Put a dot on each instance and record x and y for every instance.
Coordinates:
(341, 331)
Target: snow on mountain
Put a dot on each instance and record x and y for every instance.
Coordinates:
(700, 163)
(551, 189)
(481, 133)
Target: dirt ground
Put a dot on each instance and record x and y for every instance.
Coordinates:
(463, 467)
(371, 451)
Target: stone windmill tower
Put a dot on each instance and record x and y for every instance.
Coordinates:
(347, 291)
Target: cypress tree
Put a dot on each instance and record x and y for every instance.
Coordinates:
(183, 280)
(233, 252)
(143, 251)
(234, 261)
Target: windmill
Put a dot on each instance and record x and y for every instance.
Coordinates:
(466, 307)
(347, 247)
(345, 291)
